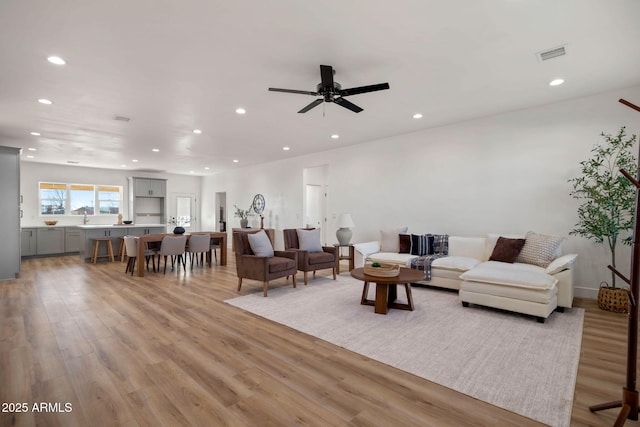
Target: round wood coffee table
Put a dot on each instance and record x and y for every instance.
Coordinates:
(386, 292)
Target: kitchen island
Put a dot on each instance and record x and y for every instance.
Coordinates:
(88, 232)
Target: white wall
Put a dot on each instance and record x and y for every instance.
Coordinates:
(502, 174)
(31, 173)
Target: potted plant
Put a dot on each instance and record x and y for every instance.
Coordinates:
(608, 205)
(243, 215)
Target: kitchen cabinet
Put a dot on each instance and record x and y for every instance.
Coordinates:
(28, 241)
(10, 212)
(72, 238)
(149, 187)
(50, 241)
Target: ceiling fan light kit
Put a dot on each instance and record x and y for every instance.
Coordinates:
(330, 91)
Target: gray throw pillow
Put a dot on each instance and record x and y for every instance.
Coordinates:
(260, 244)
(309, 240)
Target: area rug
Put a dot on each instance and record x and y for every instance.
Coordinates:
(505, 359)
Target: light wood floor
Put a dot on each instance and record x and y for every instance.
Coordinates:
(166, 350)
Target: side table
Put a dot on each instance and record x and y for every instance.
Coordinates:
(349, 257)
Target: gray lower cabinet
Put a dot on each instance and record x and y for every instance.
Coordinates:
(72, 238)
(50, 241)
(28, 241)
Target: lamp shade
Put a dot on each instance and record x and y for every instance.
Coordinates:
(345, 221)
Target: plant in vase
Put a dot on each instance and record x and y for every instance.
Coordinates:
(608, 205)
(243, 215)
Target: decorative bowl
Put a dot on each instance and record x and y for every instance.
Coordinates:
(51, 222)
(128, 222)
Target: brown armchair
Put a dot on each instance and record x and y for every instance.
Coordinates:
(311, 261)
(262, 268)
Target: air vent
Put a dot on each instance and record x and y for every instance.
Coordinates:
(551, 53)
(122, 118)
(149, 170)
(72, 162)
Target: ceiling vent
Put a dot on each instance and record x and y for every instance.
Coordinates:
(122, 118)
(149, 170)
(545, 55)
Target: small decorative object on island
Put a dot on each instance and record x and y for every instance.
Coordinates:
(344, 232)
(608, 207)
(243, 215)
(119, 219)
(178, 230)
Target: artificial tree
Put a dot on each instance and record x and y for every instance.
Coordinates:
(608, 197)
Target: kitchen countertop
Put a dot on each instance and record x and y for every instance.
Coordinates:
(93, 226)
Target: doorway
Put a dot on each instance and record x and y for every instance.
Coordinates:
(185, 211)
(315, 199)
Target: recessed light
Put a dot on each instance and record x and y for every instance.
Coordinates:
(30, 157)
(45, 101)
(240, 110)
(235, 160)
(35, 133)
(123, 166)
(56, 60)
(417, 116)
(155, 150)
(198, 131)
(31, 149)
(206, 168)
(556, 82)
(191, 172)
(335, 136)
(286, 148)
(135, 160)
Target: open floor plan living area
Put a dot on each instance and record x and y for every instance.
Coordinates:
(333, 214)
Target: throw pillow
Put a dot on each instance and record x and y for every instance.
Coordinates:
(260, 244)
(507, 250)
(390, 240)
(421, 244)
(405, 244)
(309, 240)
(441, 244)
(539, 249)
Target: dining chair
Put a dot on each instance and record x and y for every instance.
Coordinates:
(131, 247)
(174, 247)
(215, 245)
(199, 244)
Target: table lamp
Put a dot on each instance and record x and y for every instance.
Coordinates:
(344, 232)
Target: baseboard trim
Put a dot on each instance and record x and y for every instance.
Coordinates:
(582, 292)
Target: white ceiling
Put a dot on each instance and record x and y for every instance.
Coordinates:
(174, 66)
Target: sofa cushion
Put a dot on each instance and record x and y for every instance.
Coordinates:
(471, 247)
(403, 260)
(457, 263)
(309, 240)
(277, 264)
(260, 243)
(506, 250)
(405, 244)
(390, 239)
(421, 244)
(539, 249)
(501, 273)
(541, 296)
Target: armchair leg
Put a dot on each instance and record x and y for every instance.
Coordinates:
(305, 278)
(239, 283)
(294, 280)
(265, 287)
(334, 273)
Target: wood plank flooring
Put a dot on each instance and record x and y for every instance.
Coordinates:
(105, 348)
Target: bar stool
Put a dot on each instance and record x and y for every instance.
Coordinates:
(122, 249)
(96, 247)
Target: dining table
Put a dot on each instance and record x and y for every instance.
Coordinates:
(144, 239)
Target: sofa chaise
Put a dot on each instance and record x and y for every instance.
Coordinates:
(525, 274)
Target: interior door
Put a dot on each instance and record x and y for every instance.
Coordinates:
(185, 211)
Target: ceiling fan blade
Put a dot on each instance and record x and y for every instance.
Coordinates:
(310, 106)
(302, 92)
(326, 76)
(363, 89)
(348, 105)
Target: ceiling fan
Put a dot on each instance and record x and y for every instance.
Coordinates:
(331, 91)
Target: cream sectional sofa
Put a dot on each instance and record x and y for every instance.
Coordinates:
(521, 287)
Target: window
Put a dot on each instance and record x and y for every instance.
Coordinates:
(108, 200)
(79, 199)
(82, 199)
(53, 198)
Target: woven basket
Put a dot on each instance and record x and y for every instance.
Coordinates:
(614, 300)
(385, 270)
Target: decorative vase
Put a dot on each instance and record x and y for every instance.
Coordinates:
(613, 299)
(178, 230)
(244, 223)
(344, 236)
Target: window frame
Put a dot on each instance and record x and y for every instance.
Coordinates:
(66, 201)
